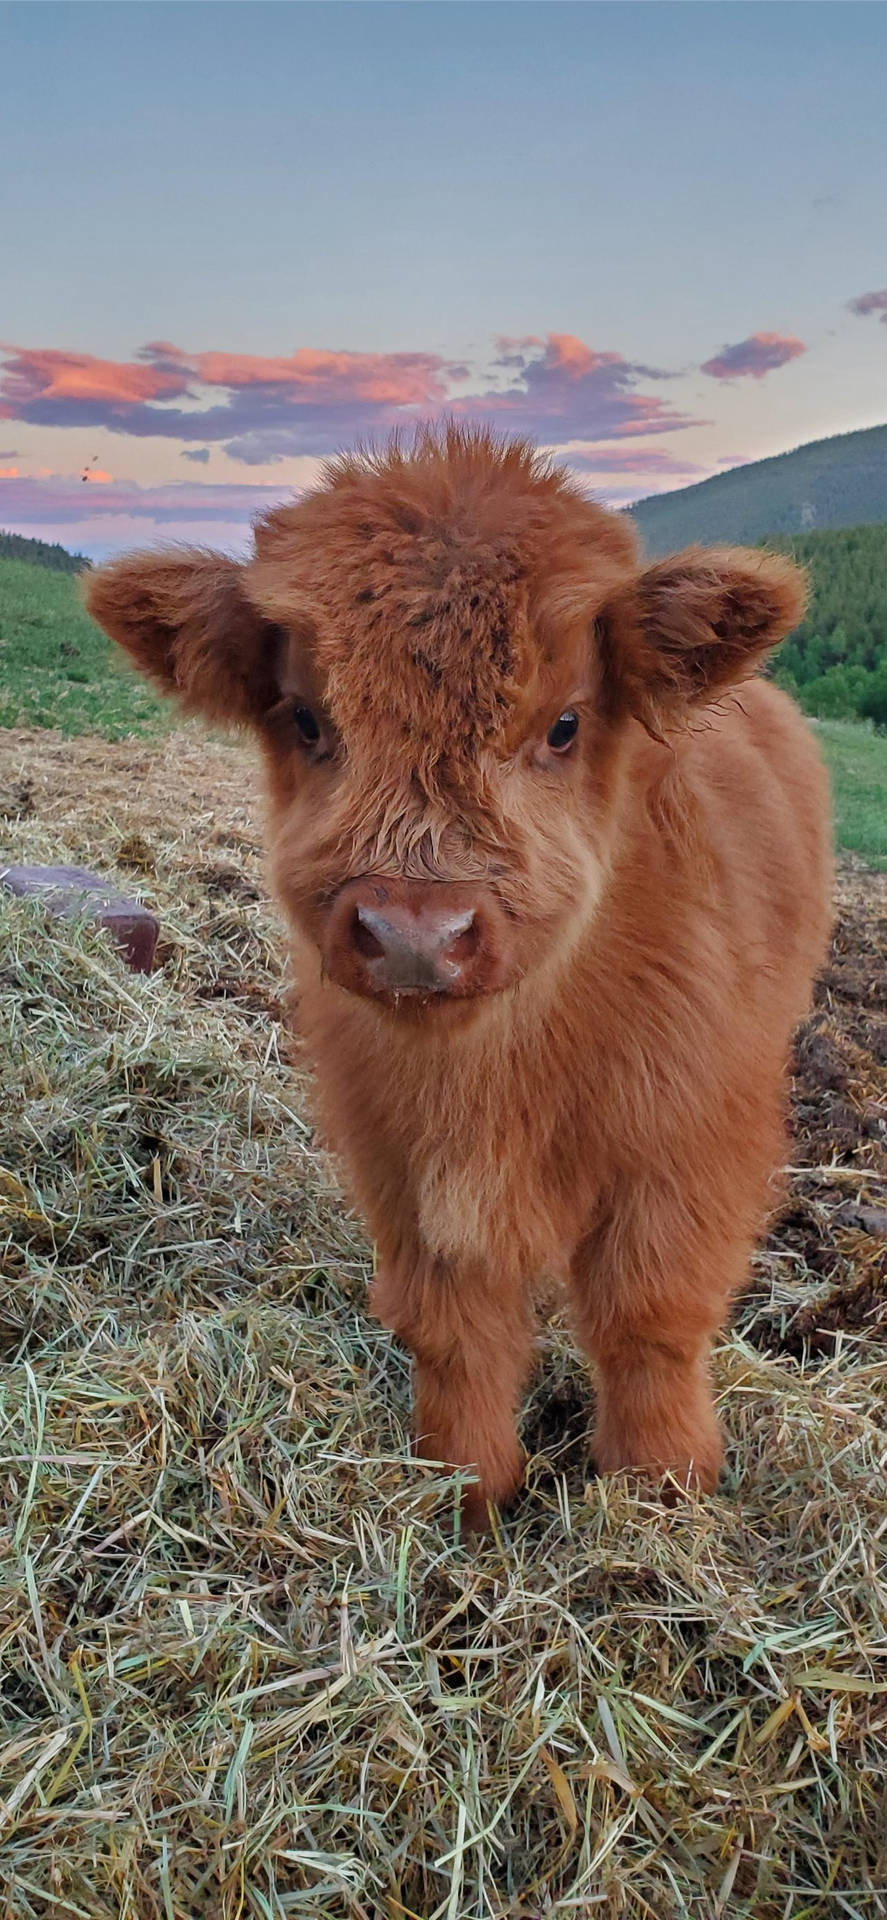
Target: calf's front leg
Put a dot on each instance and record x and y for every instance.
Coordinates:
(654, 1413)
(651, 1286)
(470, 1335)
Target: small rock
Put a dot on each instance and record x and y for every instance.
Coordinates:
(72, 891)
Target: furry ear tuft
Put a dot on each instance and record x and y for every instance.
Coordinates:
(186, 623)
(689, 627)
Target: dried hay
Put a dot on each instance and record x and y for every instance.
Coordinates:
(248, 1667)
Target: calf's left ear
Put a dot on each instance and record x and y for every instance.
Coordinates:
(689, 627)
(185, 621)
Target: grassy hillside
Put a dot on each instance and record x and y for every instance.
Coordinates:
(841, 482)
(15, 546)
(56, 668)
(857, 762)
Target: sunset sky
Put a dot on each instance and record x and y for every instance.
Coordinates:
(241, 236)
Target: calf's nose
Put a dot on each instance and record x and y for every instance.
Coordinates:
(392, 937)
(426, 950)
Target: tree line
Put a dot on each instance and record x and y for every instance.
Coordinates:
(835, 663)
(41, 553)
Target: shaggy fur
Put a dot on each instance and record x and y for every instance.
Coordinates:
(601, 1096)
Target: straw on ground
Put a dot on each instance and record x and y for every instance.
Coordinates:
(248, 1666)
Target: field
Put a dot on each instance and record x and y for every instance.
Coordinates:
(249, 1668)
(57, 669)
(857, 760)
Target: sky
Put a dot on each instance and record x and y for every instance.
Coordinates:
(238, 237)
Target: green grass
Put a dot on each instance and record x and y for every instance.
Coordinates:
(857, 760)
(57, 669)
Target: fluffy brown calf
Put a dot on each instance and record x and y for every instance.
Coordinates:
(556, 892)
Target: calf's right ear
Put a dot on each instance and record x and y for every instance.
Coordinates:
(689, 628)
(186, 623)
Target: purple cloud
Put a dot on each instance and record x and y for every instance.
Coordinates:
(323, 398)
(755, 357)
(561, 389)
(315, 400)
(198, 454)
(871, 303)
(61, 497)
(106, 518)
(630, 459)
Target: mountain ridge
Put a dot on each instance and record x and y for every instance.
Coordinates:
(839, 481)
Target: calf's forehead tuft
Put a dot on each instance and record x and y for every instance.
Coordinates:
(414, 576)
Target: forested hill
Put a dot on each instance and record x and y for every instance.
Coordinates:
(840, 482)
(836, 661)
(15, 546)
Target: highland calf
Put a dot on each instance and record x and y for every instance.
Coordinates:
(556, 873)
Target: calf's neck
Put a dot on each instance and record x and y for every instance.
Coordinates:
(555, 865)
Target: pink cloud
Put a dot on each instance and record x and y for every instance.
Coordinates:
(559, 388)
(96, 477)
(871, 303)
(574, 358)
(755, 357)
(394, 379)
(267, 406)
(8, 473)
(264, 408)
(630, 459)
(49, 375)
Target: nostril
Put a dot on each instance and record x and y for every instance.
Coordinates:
(464, 943)
(363, 938)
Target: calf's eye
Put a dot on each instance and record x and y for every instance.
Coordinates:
(306, 726)
(564, 731)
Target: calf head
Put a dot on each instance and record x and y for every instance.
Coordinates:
(445, 652)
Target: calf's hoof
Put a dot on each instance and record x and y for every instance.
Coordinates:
(673, 1471)
(476, 1516)
(478, 1506)
(481, 1499)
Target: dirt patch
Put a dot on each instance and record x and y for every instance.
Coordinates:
(823, 1272)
